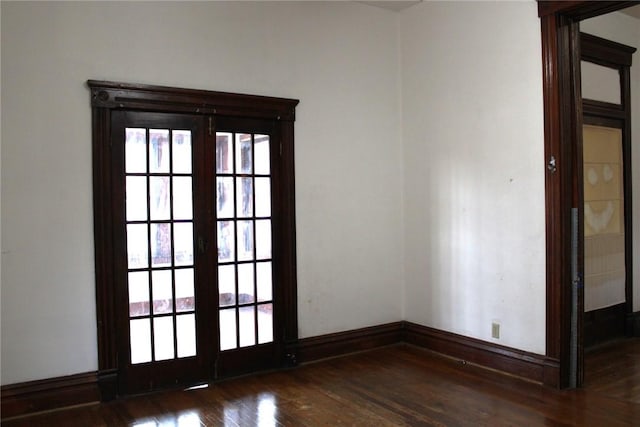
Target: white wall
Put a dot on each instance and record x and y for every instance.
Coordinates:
(474, 170)
(339, 59)
(625, 29)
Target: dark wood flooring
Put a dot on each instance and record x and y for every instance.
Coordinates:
(613, 370)
(391, 386)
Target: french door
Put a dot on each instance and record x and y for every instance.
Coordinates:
(161, 285)
(202, 284)
(244, 239)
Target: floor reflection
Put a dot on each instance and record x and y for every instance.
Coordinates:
(267, 410)
(252, 410)
(186, 419)
(261, 409)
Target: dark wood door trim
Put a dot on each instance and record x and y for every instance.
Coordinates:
(114, 95)
(48, 394)
(562, 119)
(107, 97)
(556, 36)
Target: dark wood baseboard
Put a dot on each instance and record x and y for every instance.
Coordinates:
(633, 324)
(530, 366)
(56, 393)
(49, 394)
(108, 384)
(340, 343)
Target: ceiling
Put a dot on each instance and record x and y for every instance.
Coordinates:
(394, 5)
(632, 11)
(397, 5)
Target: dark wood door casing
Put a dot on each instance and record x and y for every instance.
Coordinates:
(562, 134)
(107, 98)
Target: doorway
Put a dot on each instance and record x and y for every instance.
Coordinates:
(607, 292)
(195, 226)
(607, 201)
(563, 139)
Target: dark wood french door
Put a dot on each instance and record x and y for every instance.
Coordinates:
(196, 268)
(247, 311)
(160, 294)
(194, 224)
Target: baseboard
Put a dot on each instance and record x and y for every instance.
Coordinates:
(633, 324)
(530, 366)
(108, 384)
(56, 393)
(341, 343)
(45, 395)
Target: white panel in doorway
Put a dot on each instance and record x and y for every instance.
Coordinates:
(600, 83)
(604, 243)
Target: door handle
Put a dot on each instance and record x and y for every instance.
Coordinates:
(552, 165)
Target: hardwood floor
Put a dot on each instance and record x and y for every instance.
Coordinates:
(391, 386)
(614, 370)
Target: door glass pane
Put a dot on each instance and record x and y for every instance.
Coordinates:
(261, 155)
(181, 151)
(224, 153)
(186, 334)
(163, 337)
(137, 246)
(246, 291)
(136, 198)
(227, 285)
(161, 244)
(162, 292)
(263, 239)
(135, 150)
(226, 239)
(265, 323)
(227, 329)
(159, 150)
(244, 197)
(159, 195)
(182, 198)
(183, 243)
(263, 197)
(263, 270)
(244, 155)
(224, 197)
(140, 334)
(247, 326)
(138, 293)
(185, 295)
(245, 240)
(604, 231)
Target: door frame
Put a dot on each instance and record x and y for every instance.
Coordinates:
(562, 134)
(107, 97)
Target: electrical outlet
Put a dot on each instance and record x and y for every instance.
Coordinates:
(495, 330)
